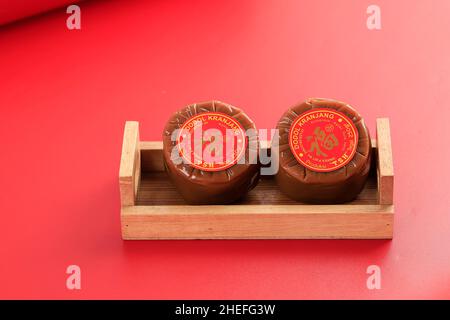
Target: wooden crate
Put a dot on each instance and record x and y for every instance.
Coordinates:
(151, 208)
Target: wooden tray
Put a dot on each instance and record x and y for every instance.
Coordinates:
(151, 208)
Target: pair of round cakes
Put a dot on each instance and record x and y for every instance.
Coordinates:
(323, 148)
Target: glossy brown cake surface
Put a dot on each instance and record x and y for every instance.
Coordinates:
(307, 185)
(199, 186)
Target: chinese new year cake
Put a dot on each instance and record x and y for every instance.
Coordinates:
(210, 153)
(324, 152)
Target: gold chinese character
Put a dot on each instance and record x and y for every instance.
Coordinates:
(321, 139)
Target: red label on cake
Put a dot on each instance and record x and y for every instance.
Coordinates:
(211, 141)
(323, 140)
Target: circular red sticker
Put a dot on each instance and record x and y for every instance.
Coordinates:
(211, 141)
(323, 140)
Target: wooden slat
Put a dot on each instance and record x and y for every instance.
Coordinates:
(299, 209)
(130, 164)
(385, 164)
(258, 222)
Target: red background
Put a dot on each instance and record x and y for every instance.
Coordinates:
(65, 96)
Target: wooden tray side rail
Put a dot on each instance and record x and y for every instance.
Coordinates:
(385, 165)
(130, 164)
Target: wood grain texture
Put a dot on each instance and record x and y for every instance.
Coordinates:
(385, 165)
(258, 222)
(159, 212)
(130, 164)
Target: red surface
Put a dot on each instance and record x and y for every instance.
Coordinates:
(12, 10)
(65, 96)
